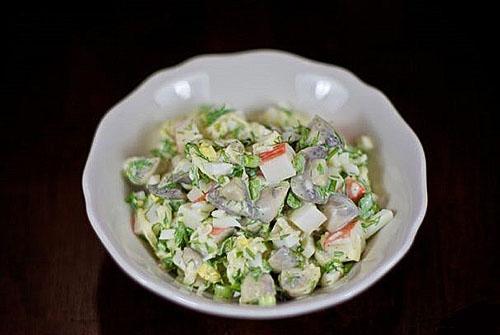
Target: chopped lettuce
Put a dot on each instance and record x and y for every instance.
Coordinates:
(210, 114)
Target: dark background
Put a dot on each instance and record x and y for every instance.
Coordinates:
(66, 65)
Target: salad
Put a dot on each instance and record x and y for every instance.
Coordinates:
(254, 209)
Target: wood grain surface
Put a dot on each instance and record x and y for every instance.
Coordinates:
(66, 65)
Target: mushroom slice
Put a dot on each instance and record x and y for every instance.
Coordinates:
(324, 132)
(259, 290)
(270, 201)
(139, 169)
(166, 193)
(235, 151)
(181, 172)
(339, 210)
(282, 259)
(233, 198)
(330, 278)
(297, 282)
(302, 184)
(166, 189)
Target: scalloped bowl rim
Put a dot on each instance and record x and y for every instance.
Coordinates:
(254, 312)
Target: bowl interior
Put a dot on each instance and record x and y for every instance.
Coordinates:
(252, 81)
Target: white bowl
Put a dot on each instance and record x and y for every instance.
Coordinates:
(248, 81)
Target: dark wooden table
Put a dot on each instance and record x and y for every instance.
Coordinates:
(66, 66)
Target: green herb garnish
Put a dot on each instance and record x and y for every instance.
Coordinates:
(292, 201)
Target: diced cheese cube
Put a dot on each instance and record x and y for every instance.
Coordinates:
(277, 169)
(308, 218)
